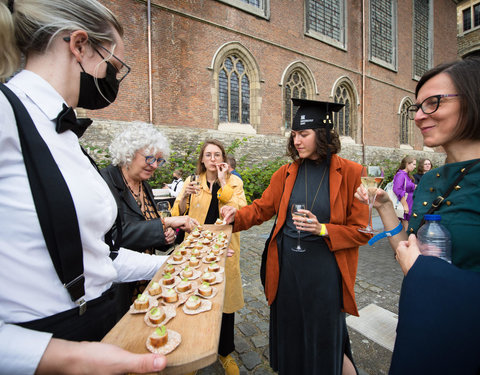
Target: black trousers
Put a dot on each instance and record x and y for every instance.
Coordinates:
(93, 325)
(226, 344)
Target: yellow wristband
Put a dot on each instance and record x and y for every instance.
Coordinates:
(323, 229)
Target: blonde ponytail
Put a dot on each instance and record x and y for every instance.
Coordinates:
(9, 52)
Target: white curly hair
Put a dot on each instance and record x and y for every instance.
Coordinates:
(138, 136)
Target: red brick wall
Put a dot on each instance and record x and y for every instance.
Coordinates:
(183, 48)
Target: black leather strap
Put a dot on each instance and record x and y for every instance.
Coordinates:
(53, 202)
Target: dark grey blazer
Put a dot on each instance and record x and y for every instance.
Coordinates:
(137, 233)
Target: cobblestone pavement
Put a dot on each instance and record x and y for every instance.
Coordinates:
(378, 281)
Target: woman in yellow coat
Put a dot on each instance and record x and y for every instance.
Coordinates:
(217, 188)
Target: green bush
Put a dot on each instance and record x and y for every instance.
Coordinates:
(255, 177)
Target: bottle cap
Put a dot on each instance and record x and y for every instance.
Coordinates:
(433, 218)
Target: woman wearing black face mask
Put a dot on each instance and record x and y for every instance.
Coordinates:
(55, 243)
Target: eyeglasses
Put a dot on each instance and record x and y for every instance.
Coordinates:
(216, 155)
(428, 106)
(150, 159)
(124, 69)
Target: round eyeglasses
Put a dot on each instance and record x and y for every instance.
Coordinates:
(150, 159)
(428, 106)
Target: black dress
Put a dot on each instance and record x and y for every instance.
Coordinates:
(308, 333)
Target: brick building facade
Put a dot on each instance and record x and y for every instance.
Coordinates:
(468, 28)
(232, 65)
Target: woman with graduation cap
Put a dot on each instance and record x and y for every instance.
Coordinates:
(310, 291)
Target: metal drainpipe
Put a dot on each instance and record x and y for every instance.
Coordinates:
(149, 36)
(363, 81)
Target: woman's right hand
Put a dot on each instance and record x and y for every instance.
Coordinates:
(191, 188)
(228, 213)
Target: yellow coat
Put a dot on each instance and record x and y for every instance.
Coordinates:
(231, 194)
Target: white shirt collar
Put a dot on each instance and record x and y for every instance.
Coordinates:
(40, 92)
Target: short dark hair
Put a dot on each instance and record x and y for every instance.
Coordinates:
(231, 161)
(465, 75)
(321, 141)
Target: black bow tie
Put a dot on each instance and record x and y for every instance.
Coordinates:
(67, 120)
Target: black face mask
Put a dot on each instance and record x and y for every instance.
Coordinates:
(90, 97)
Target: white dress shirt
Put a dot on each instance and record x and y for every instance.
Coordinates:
(29, 286)
(175, 187)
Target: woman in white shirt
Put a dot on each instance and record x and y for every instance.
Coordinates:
(177, 184)
(73, 53)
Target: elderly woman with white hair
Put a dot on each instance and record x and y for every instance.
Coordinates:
(136, 153)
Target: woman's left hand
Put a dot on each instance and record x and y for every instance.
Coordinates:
(170, 235)
(230, 252)
(309, 223)
(407, 253)
(222, 169)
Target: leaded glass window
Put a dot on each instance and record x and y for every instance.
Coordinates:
(405, 125)
(295, 87)
(326, 17)
(421, 37)
(233, 91)
(476, 15)
(342, 118)
(383, 33)
(467, 19)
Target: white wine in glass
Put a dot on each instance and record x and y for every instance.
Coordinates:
(164, 209)
(371, 179)
(295, 208)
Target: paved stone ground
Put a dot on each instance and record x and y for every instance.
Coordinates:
(378, 281)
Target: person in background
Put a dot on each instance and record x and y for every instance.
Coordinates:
(136, 153)
(438, 327)
(73, 54)
(176, 186)
(232, 165)
(309, 292)
(424, 165)
(403, 187)
(217, 188)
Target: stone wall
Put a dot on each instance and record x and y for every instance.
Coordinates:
(256, 148)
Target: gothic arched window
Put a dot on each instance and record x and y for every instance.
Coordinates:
(233, 91)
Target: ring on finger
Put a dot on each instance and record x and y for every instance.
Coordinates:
(309, 221)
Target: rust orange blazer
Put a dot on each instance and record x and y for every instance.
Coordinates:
(347, 214)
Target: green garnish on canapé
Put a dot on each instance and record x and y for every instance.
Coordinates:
(193, 298)
(205, 283)
(213, 264)
(167, 275)
(154, 311)
(187, 268)
(161, 331)
(142, 297)
(185, 279)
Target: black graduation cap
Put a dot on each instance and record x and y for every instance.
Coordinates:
(313, 114)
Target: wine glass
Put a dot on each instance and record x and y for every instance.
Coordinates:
(295, 208)
(372, 178)
(195, 178)
(164, 209)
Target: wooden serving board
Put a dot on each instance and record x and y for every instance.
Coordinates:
(200, 333)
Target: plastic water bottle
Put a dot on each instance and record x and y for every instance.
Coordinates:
(434, 238)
